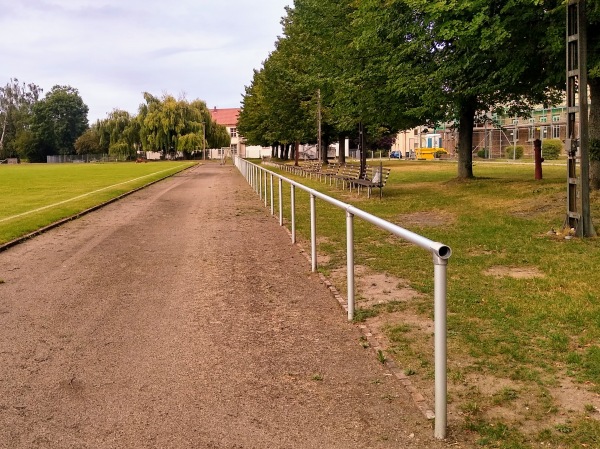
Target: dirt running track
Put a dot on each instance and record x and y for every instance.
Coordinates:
(182, 317)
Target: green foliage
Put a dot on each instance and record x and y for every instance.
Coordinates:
(57, 121)
(551, 148)
(121, 150)
(594, 149)
(514, 152)
(391, 65)
(88, 142)
(164, 123)
(482, 153)
(16, 103)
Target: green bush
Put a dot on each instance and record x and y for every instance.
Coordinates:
(510, 152)
(482, 153)
(551, 148)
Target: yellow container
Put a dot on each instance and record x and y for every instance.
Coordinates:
(428, 153)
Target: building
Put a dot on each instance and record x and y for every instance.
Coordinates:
(228, 117)
(495, 134)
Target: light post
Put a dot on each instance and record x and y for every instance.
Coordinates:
(203, 141)
(515, 143)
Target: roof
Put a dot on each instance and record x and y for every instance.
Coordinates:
(226, 116)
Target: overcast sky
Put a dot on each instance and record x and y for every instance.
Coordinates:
(113, 50)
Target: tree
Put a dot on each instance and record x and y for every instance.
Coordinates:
(16, 103)
(466, 57)
(163, 123)
(593, 45)
(89, 142)
(57, 121)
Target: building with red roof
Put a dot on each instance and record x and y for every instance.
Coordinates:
(228, 117)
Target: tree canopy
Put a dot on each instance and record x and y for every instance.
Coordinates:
(34, 128)
(392, 64)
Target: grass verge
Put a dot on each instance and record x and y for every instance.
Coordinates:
(523, 301)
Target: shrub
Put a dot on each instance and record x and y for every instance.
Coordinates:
(551, 148)
(482, 153)
(510, 152)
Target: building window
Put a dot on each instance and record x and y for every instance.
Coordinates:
(233, 132)
(556, 132)
(544, 132)
(543, 119)
(515, 121)
(556, 118)
(531, 120)
(531, 133)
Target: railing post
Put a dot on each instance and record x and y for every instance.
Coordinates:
(280, 202)
(350, 263)
(260, 182)
(265, 189)
(293, 207)
(272, 198)
(440, 346)
(313, 233)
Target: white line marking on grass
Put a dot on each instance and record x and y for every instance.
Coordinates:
(85, 194)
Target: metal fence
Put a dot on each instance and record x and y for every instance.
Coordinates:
(262, 181)
(70, 158)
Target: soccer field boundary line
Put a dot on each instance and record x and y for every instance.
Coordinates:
(60, 203)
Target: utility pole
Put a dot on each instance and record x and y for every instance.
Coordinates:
(319, 149)
(577, 142)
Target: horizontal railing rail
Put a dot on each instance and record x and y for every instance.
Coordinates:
(262, 181)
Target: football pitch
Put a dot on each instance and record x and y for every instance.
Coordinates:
(36, 195)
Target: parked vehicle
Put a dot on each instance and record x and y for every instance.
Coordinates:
(396, 155)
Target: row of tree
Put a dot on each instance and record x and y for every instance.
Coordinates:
(32, 127)
(387, 65)
(166, 124)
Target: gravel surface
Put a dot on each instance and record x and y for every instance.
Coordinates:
(182, 317)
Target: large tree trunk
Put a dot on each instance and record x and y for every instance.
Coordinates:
(465, 138)
(325, 150)
(296, 153)
(594, 133)
(342, 146)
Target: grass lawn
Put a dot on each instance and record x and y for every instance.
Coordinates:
(35, 195)
(523, 302)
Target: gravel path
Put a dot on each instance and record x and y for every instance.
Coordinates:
(182, 317)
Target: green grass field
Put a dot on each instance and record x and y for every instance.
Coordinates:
(36, 195)
(523, 305)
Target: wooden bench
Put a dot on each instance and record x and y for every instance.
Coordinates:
(346, 174)
(329, 170)
(375, 177)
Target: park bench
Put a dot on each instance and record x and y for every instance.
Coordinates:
(346, 174)
(309, 168)
(374, 177)
(329, 170)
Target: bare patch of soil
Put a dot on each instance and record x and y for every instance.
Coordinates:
(515, 272)
(425, 219)
(376, 288)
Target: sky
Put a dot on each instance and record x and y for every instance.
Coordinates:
(112, 51)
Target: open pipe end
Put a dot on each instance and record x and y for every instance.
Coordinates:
(443, 251)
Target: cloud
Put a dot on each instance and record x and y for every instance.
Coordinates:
(112, 51)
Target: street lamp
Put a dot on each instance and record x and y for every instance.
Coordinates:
(203, 141)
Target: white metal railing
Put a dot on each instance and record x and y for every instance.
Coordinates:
(257, 178)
